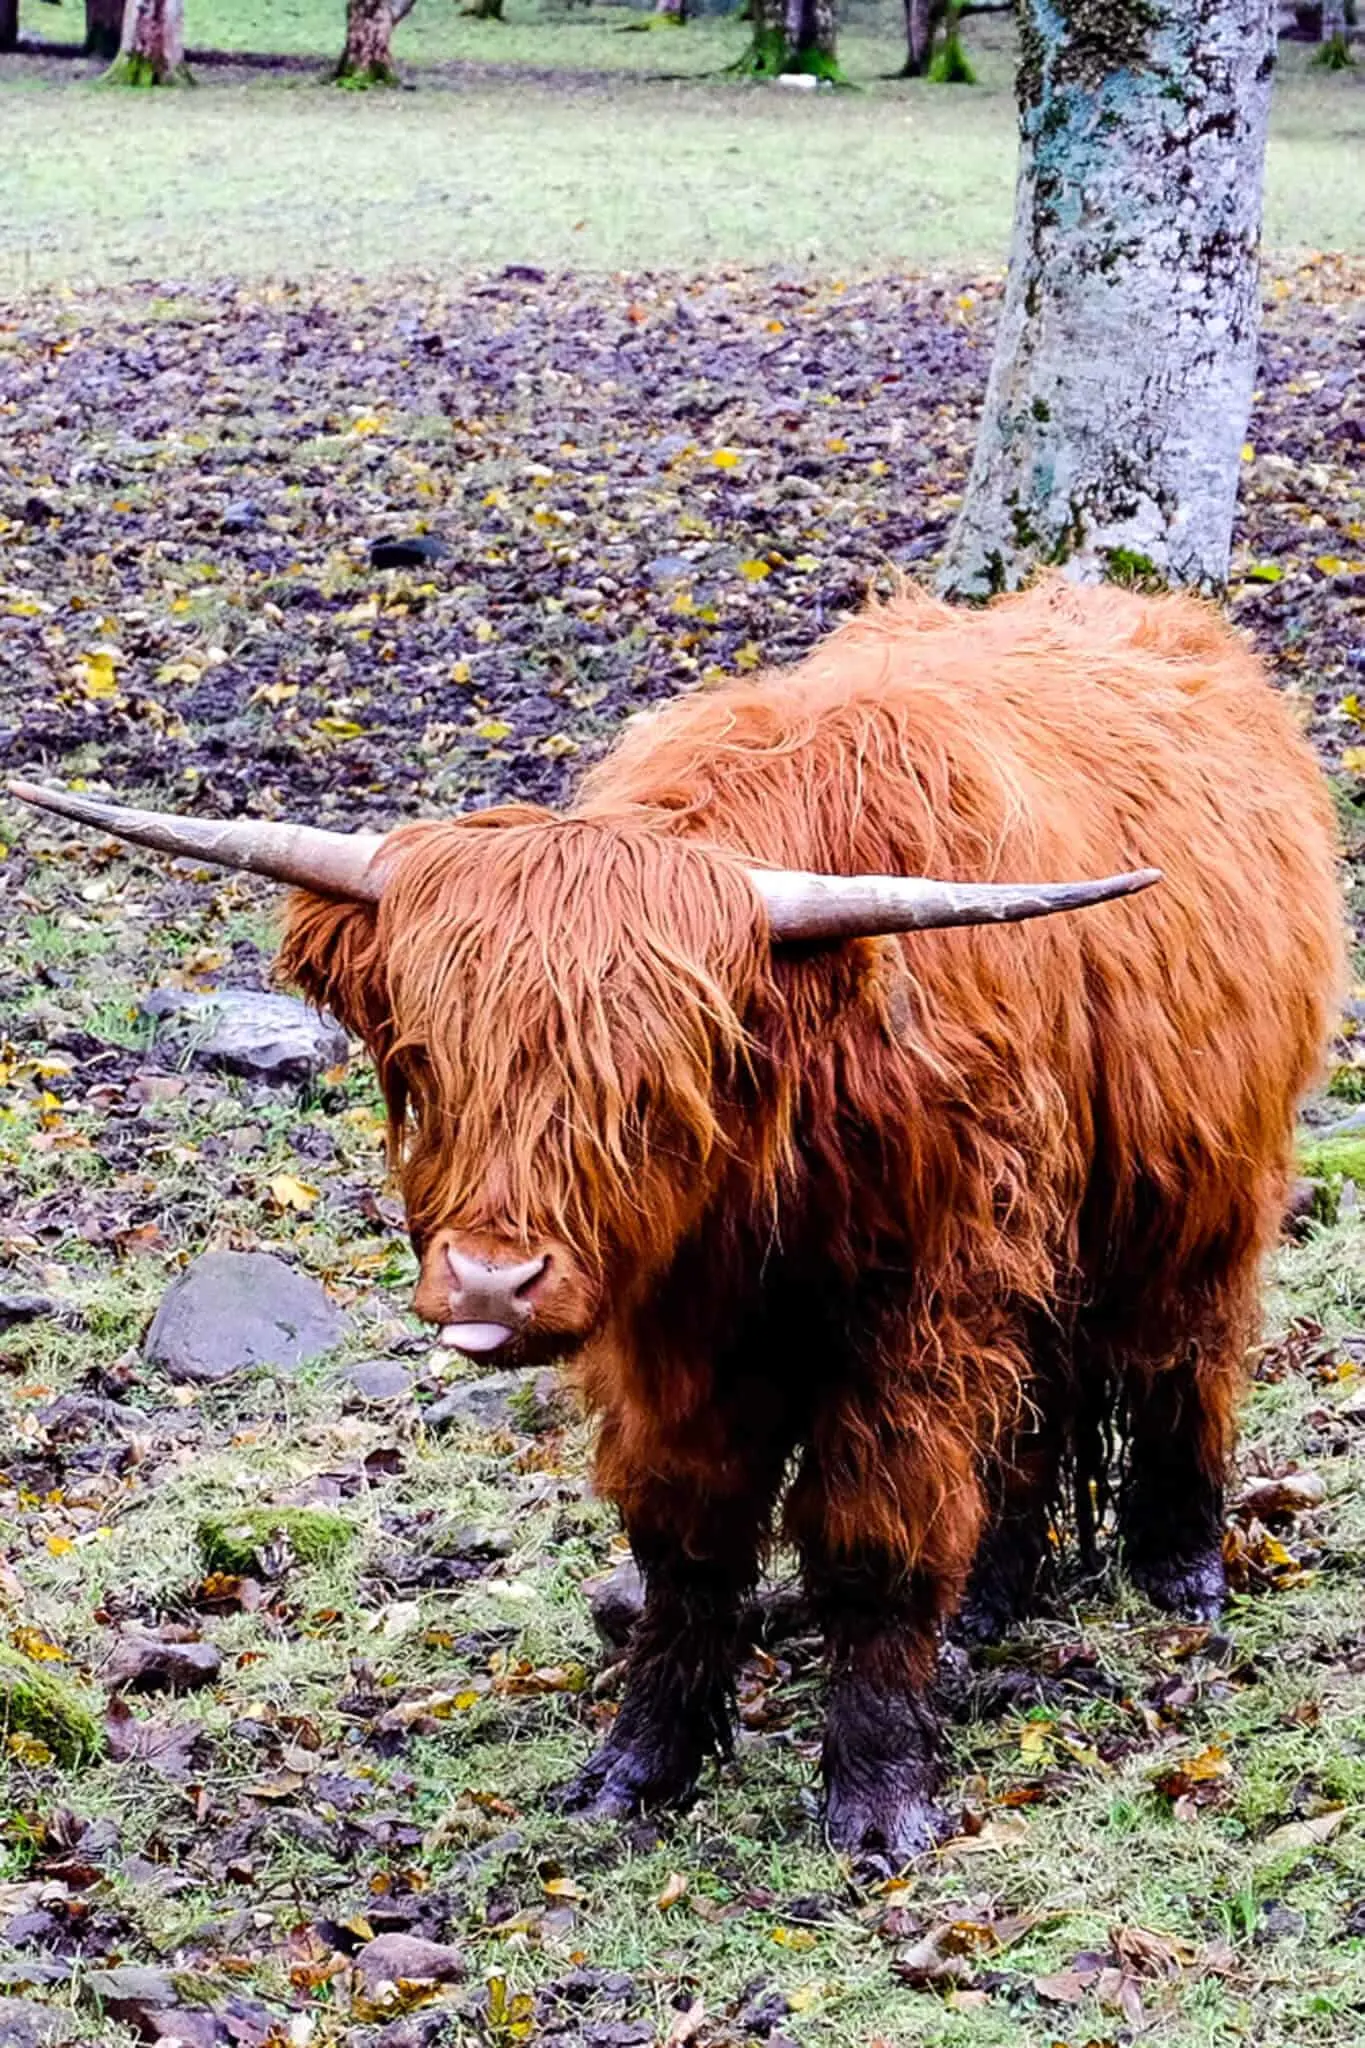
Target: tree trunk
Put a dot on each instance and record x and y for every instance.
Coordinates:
(672, 10)
(1121, 384)
(367, 59)
(794, 36)
(9, 24)
(921, 20)
(1334, 44)
(103, 28)
(152, 51)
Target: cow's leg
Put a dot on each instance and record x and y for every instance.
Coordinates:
(886, 1511)
(1180, 1432)
(696, 1533)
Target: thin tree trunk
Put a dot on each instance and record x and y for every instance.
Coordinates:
(9, 24)
(1119, 394)
(103, 28)
(152, 51)
(674, 11)
(1334, 44)
(921, 20)
(794, 36)
(367, 58)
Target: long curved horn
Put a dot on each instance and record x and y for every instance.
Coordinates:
(815, 907)
(334, 863)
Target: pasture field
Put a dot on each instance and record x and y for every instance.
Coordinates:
(557, 140)
(224, 372)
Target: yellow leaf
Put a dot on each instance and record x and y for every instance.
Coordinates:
(726, 458)
(750, 655)
(754, 570)
(338, 728)
(674, 1889)
(97, 673)
(876, 467)
(27, 1749)
(1353, 760)
(793, 1937)
(367, 423)
(459, 671)
(563, 1888)
(1330, 565)
(805, 563)
(1248, 452)
(60, 1546)
(286, 1192)
(493, 729)
(35, 1645)
(1033, 1738)
(837, 445)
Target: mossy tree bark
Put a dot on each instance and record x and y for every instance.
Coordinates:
(367, 58)
(1121, 384)
(103, 28)
(152, 51)
(794, 36)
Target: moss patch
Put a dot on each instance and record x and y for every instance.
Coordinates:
(240, 1543)
(39, 1705)
(1334, 1159)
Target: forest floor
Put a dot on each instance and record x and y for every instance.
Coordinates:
(559, 139)
(641, 484)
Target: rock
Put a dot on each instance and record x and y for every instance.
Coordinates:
(38, 511)
(26, 1308)
(1288, 1495)
(130, 1994)
(530, 1400)
(407, 1958)
(42, 1703)
(670, 569)
(23, 2024)
(616, 1600)
(232, 1310)
(180, 2026)
(797, 81)
(243, 1031)
(412, 551)
(377, 1380)
(263, 1541)
(240, 516)
(1345, 1126)
(147, 1663)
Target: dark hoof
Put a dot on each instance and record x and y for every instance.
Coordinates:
(1195, 1588)
(616, 1784)
(881, 1829)
(982, 1620)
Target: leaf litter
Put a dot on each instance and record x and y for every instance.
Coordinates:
(593, 494)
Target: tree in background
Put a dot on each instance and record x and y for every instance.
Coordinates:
(1121, 384)
(367, 58)
(103, 28)
(1335, 50)
(793, 37)
(152, 51)
(9, 24)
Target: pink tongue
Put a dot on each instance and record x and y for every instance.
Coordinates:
(475, 1337)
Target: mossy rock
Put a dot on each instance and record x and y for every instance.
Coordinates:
(39, 1702)
(239, 1543)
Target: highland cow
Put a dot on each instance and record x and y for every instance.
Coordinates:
(893, 1232)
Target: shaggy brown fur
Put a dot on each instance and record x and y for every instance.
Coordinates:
(917, 1213)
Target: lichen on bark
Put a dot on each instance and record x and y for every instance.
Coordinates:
(1121, 382)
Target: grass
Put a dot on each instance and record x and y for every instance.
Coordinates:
(492, 1678)
(560, 163)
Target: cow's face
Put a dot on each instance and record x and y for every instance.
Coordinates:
(557, 1009)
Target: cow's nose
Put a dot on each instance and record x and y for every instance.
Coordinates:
(489, 1300)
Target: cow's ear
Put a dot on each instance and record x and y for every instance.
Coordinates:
(330, 952)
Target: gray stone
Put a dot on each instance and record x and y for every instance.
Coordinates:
(407, 1958)
(243, 1031)
(131, 1994)
(26, 1308)
(530, 1400)
(233, 1310)
(23, 2024)
(616, 1600)
(1344, 1127)
(144, 1663)
(376, 1380)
